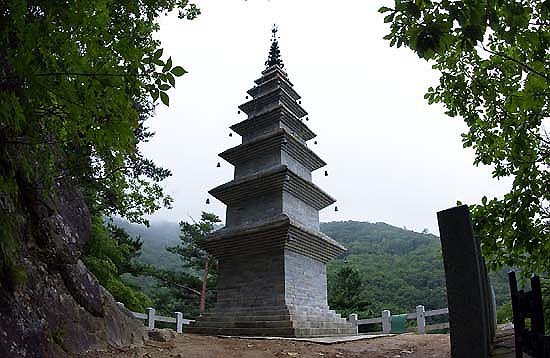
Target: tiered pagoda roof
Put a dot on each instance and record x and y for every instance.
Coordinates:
(273, 161)
(279, 114)
(283, 232)
(280, 179)
(280, 139)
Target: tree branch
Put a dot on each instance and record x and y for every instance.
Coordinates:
(187, 288)
(83, 74)
(524, 65)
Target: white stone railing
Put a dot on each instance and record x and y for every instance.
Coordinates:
(420, 316)
(151, 317)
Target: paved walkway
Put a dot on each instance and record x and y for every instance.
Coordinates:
(321, 340)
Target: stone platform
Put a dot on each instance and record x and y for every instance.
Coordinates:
(275, 322)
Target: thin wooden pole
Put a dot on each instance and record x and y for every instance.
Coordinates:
(203, 290)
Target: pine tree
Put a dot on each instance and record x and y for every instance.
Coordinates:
(345, 292)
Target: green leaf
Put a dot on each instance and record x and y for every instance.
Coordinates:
(155, 94)
(158, 53)
(178, 71)
(171, 79)
(164, 87)
(168, 65)
(164, 98)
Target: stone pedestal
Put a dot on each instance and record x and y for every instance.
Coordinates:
(272, 282)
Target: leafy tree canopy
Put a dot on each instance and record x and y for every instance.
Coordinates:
(110, 253)
(77, 81)
(495, 73)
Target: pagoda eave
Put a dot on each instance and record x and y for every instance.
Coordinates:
(277, 140)
(271, 72)
(273, 84)
(282, 232)
(280, 113)
(279, 178)
(274, 97)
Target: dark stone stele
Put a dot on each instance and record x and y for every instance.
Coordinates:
(272, 257)
(471, 306)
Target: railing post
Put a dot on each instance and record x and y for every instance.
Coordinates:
(179, 322)
(150, 317)
(420, 319)
(386, 321)
(353, 318)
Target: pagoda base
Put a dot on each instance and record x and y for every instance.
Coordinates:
(287, 321)
(272, 282)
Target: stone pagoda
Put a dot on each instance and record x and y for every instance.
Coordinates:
(271, 256)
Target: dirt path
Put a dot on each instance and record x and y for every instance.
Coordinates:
(196, 346)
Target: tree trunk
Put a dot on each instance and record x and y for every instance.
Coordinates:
(203, 291)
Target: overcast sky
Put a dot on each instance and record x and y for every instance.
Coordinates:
(391, 157)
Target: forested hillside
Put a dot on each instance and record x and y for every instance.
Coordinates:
(399, 268)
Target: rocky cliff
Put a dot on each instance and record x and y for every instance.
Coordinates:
(50, 304)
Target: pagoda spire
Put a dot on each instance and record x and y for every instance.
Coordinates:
(274, 52)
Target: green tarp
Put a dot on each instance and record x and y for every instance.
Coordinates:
(399, 323)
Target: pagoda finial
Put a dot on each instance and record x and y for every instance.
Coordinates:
(274, 52)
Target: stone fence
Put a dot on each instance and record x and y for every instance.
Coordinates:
(420, 316)
(151, 317)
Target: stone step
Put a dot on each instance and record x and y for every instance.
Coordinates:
(273, 332)
(249, 312)
(313, 311)
(272, 324)
(280, 318)
(285, 317)
(241, 324)
(291, 317)
(274, 310)
(321, 324)
(323, 332)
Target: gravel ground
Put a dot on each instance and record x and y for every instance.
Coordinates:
(196, 346)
